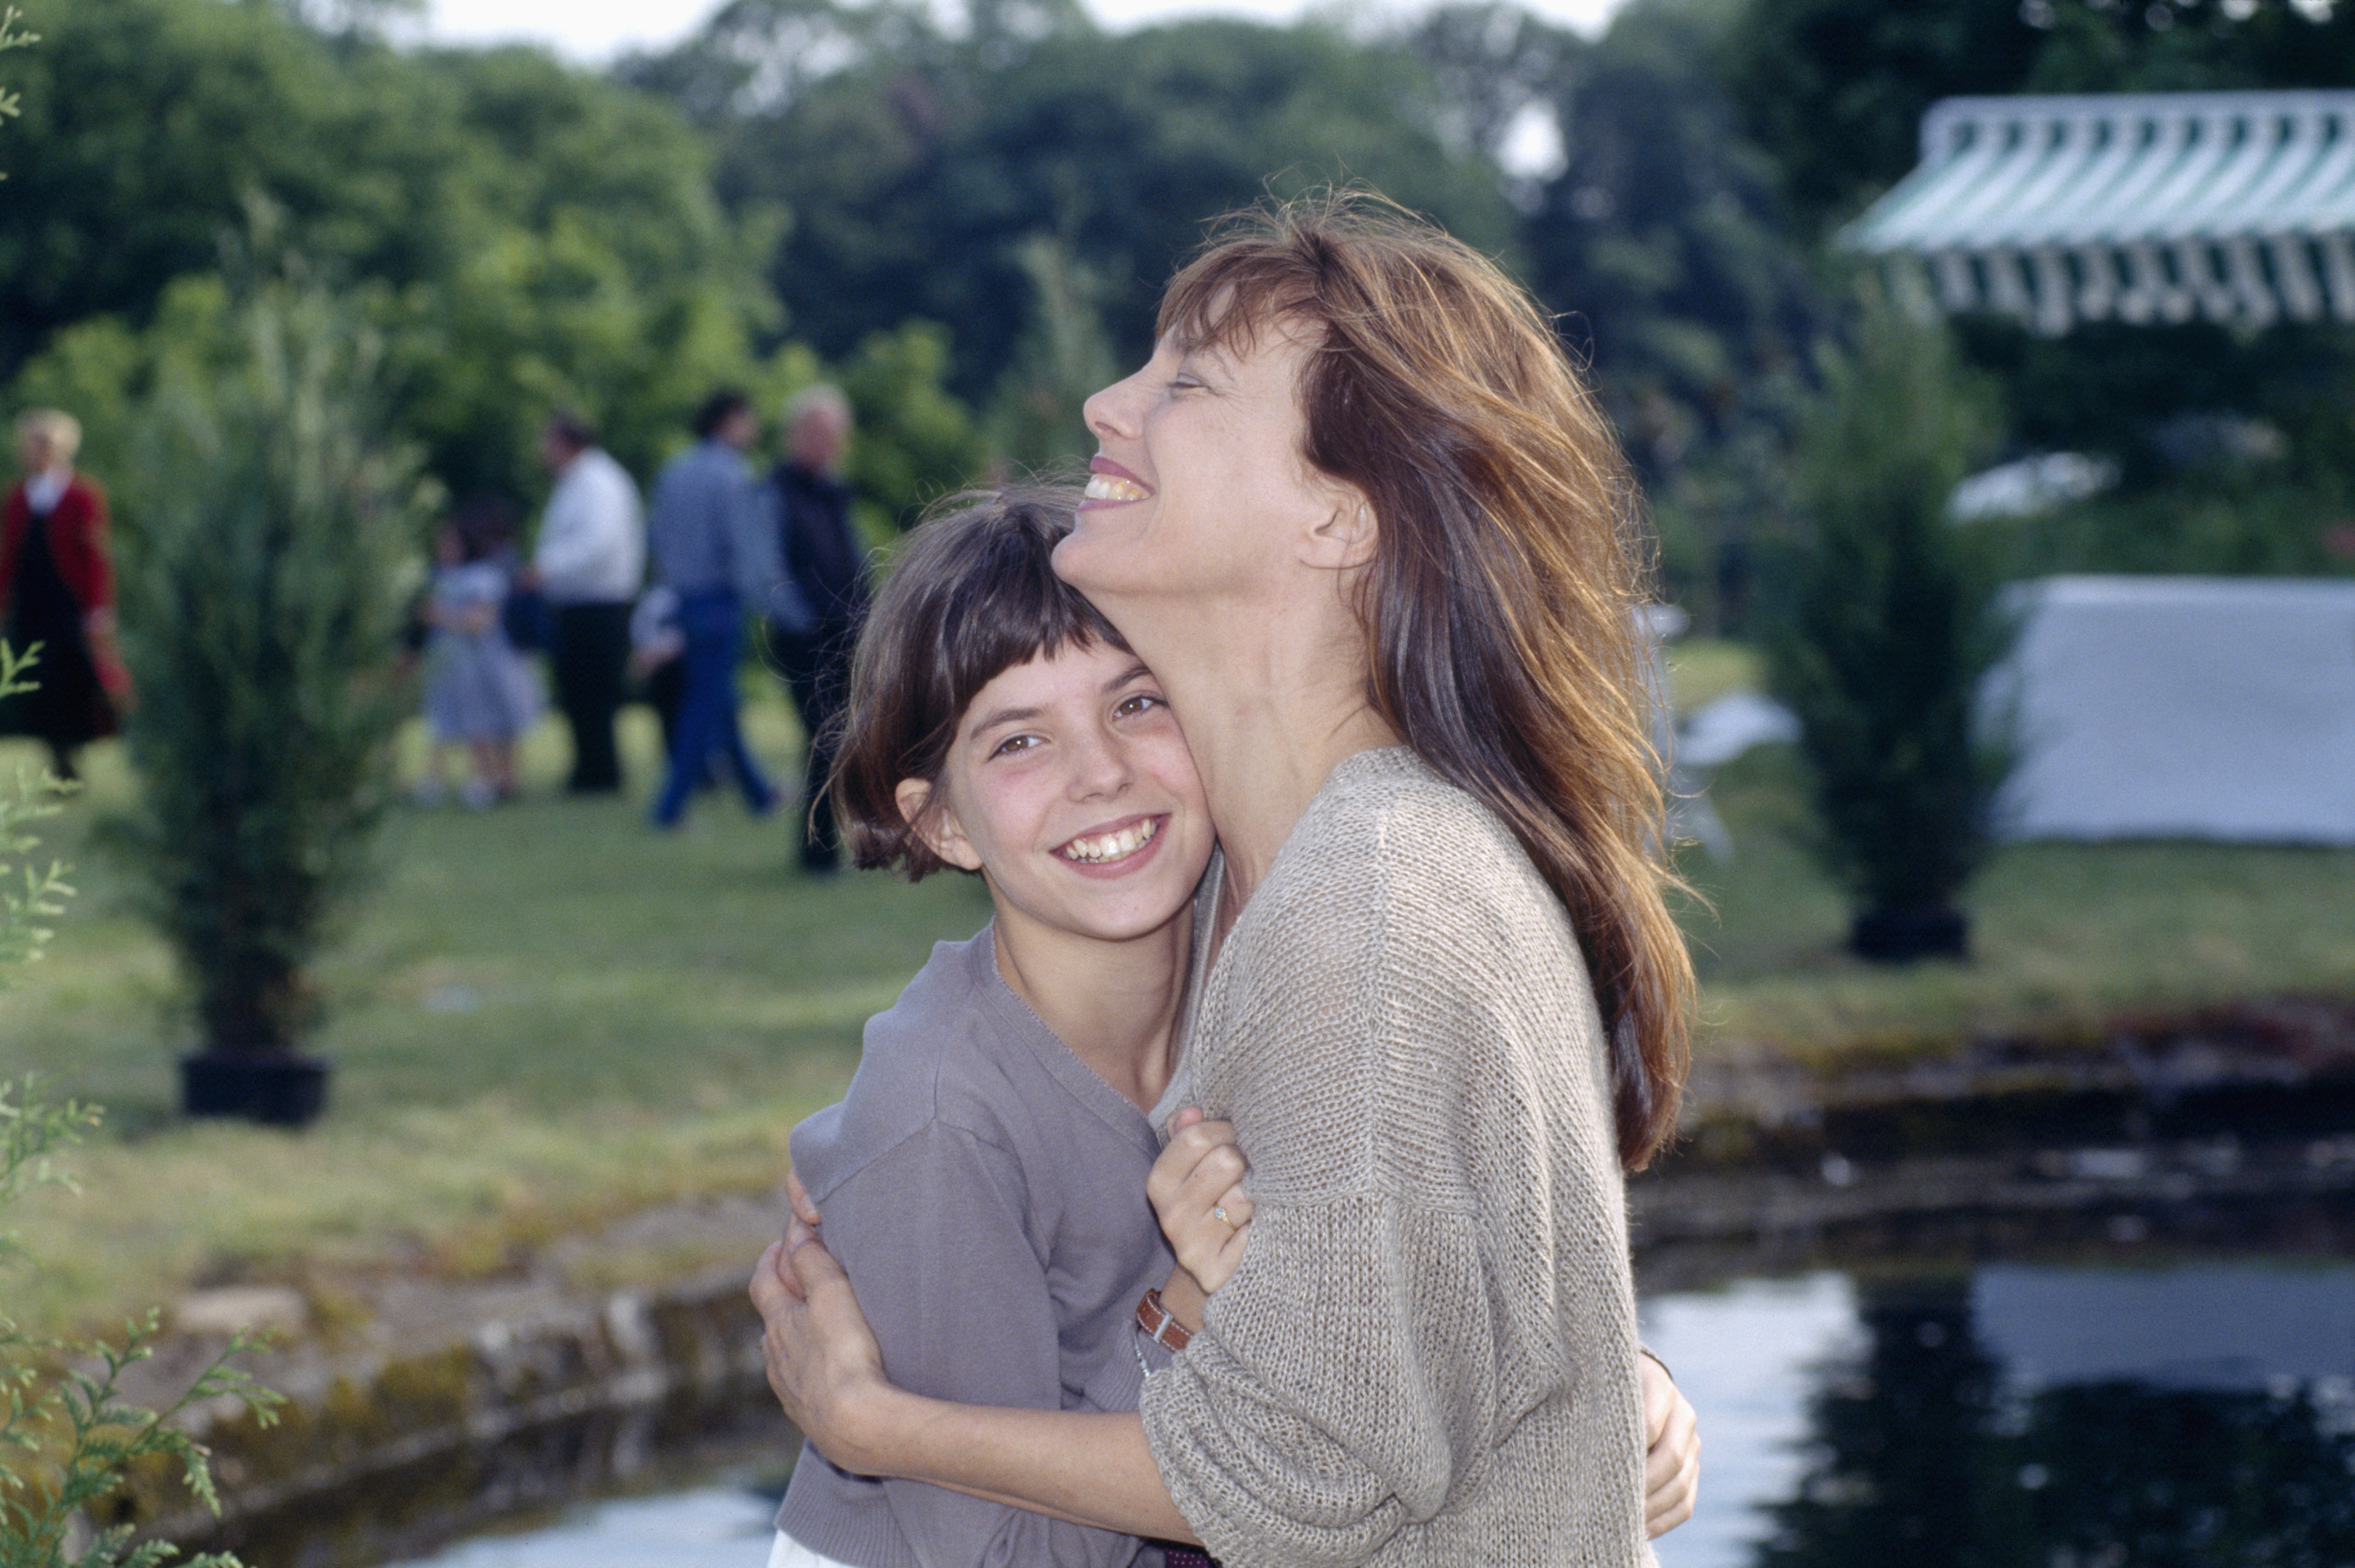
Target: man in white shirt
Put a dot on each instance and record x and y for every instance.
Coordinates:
(590, 562)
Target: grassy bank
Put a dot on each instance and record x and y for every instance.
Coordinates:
(548, 1015)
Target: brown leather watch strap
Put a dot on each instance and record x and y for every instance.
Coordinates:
(1155, 1322)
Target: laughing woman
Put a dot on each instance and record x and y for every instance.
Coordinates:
(1365, 525)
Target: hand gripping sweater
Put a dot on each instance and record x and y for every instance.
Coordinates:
(1428, 1354)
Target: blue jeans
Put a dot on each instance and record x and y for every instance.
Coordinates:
(714, 629)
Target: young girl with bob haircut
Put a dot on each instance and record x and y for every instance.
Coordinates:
(1360, 516)
(984, 1181)
(984, 1178)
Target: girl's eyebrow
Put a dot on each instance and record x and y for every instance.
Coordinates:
(997, 717)
(1003, 716)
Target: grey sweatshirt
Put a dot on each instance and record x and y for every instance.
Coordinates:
(985, 1189)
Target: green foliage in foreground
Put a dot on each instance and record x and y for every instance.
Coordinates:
(261, 610)
(74, 1439)
(67, 1438)
(28, 896)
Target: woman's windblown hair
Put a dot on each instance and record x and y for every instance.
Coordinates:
(1501, 610)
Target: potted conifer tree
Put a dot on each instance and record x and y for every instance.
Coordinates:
(1886, 625)
(262, 605)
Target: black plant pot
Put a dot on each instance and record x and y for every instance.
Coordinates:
(283, 1089)
(1904, 936)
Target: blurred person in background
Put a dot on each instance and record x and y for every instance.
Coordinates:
(589, 562)
(480, 693)
(829, 569)
(57, 583)
(714, 545)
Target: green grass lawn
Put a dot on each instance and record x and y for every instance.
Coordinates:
(547, 1015)
(2063, 933)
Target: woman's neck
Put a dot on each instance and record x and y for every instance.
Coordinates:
(1113, 1005)
(1268, 715)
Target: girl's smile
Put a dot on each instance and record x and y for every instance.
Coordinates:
(1070, 788)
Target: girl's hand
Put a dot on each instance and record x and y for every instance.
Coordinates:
(1197, 1190)
(822, 1363)
(1672, 1464)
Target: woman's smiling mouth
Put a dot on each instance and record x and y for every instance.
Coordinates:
(1112, 488)
(1102, 849)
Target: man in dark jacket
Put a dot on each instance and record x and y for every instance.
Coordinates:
(823, 556)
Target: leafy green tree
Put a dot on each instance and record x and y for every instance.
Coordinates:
(12, 37)
(521, 234)
(1885, 633)
(921, 169)
(1662, 239)
(1834, 90)
(914, 443)
(261, 609)
(1036, 418)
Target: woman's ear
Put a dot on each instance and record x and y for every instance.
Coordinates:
(1346, 537)
(935, 822)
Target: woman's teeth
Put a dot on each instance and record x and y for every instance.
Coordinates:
(1113, 846)
(1112, 487)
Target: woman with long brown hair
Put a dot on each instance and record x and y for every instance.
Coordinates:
(1366, 527)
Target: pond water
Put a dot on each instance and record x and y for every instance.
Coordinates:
(2198, 1412)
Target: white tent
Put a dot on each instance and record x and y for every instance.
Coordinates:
(2183, 707)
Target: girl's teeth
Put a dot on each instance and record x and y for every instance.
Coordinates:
(1113, 846)
(1112, 487)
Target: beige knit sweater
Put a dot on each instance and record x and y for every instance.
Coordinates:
(1428, 1354)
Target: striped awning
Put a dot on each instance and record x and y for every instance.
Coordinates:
(2236, 207)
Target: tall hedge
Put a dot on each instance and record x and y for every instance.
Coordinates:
(261, 602)
(1885, 628)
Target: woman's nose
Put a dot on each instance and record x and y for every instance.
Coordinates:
(1111, 413)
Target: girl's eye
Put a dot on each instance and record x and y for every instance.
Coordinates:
(1014, 745)
(1137, 703)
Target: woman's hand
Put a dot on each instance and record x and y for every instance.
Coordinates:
(1672, 1462)
(822, 1363)
(1197, 1190)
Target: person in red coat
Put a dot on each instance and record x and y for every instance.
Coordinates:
(57, 585)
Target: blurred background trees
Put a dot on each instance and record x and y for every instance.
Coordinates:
(967, 216)
(964, 216)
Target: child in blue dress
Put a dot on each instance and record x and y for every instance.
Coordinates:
(480, 693)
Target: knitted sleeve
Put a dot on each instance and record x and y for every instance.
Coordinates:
(1410, 1054)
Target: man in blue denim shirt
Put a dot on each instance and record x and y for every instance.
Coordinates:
(714, 545)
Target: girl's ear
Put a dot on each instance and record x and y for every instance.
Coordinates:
(935, 822)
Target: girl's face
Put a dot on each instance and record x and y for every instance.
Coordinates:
(1070, 788)
(1198, 485)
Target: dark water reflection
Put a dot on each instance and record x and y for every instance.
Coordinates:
(1936, 1404)
(2050, 1417)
